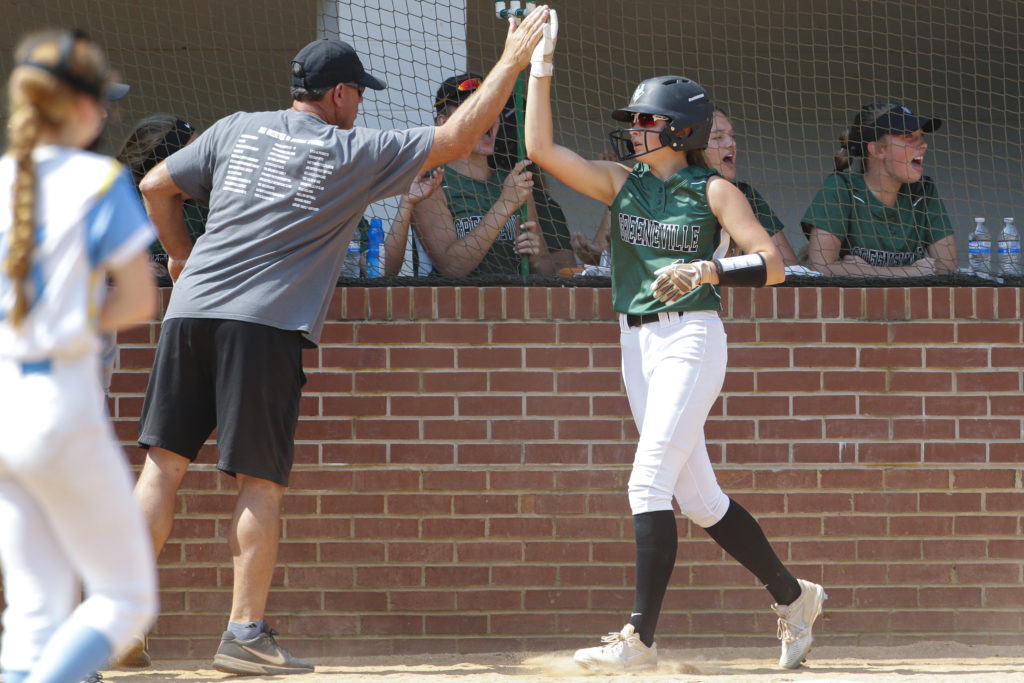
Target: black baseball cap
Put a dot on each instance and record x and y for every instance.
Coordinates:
(327, 62)
(456, 90)
(897, 120)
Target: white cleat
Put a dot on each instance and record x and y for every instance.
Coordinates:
(622, 651)
(796, 621)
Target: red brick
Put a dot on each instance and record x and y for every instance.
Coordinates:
(789, 381)
(824, 404)
(856, 428)
(955, 452)
(529, 429)
(950, 502)
(990, 429)
(889, 452)
(925, 382)
(789, 332)
(368, 334)
(455, 429)
(918, 332)
(858, 479)
(856, 333)
(956, 357)
(996, 381)
(831, 356)
(424, 357)
(759, 357)
(457, 333)
(891, 357)
(858, 381)
(890, 405)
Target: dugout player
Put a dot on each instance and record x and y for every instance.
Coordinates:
(878, 215)
(286, 190)
(721, 154)
(68, 218)
(472, 225)
(672, 220)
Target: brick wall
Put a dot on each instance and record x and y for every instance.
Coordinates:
(463, 453)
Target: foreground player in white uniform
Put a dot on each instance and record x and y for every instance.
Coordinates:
(672, 222)
(68, 218)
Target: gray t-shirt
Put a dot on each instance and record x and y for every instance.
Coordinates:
(286, 191)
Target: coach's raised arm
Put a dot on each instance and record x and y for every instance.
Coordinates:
(456, 137)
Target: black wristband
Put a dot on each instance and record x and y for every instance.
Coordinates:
(748, 270)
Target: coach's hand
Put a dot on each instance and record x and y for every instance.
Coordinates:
(544, 53)
(523, 38)
(676, 279)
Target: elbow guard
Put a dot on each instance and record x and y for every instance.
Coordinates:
(748, 270)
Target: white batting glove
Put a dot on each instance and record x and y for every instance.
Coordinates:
(541, 62)
(676, 279)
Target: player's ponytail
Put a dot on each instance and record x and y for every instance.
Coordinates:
(41, 101)
(842, 158)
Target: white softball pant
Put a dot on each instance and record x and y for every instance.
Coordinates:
(66, 514)
(673, 370)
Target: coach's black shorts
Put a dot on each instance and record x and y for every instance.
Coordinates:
(242, 378)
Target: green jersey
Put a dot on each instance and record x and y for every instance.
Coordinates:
(765, 216)
(470, 199)
(656, 223)
(882, 235)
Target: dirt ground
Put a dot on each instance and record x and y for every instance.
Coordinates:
(934, 662)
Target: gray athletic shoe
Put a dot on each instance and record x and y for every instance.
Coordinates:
(796, 621)
(135, 655)
(259, 655)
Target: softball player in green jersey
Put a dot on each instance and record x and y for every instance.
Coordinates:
(721, 154)
(879, 215)
(673, 219)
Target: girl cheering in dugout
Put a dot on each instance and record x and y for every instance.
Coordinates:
(878, 215)
(673, 220)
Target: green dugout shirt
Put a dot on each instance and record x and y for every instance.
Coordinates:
(882, 235)
(470, 199)
(655, 223)
(764, 214)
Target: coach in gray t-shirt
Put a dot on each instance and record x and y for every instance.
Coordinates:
(286, 190)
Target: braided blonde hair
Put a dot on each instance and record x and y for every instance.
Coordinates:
(40, 102)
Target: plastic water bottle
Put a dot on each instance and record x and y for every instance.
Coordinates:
(979, 249)
(1009, 250)
(350, 268)
(374, 267)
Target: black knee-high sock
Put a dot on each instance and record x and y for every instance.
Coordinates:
(656, 543)
(741, 536)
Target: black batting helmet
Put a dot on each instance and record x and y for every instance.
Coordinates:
(685, 104)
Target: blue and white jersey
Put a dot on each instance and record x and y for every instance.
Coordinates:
(89, 218)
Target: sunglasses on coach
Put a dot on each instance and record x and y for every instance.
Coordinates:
(357, 86)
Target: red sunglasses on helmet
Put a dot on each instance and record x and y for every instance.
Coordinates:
(644, 120)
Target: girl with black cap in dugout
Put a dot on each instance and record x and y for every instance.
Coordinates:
(878, 215)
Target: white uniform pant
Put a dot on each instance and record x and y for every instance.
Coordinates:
(67, 514)
(673, 370)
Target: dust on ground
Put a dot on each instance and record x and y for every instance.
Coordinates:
(934, 662)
